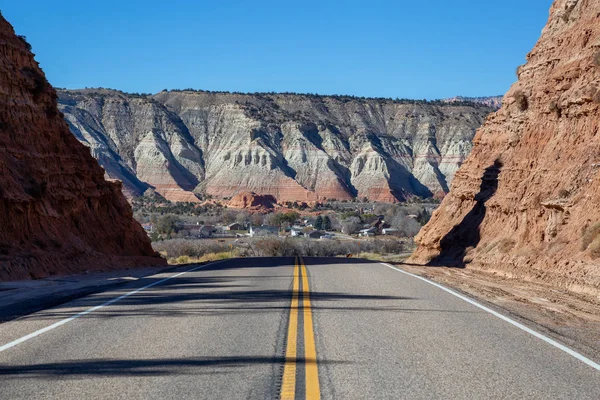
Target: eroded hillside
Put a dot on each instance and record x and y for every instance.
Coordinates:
(525, 203)
(294, 147)
(57, 212)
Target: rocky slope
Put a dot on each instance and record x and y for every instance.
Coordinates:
(294, 147)
(525, 203)
(57, 212)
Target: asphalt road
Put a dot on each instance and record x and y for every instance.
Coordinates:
(356, 330)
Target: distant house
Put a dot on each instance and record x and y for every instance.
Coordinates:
(148, 227)
(200, 231)
(314, 234)
(234, 227)
(390, 231)
(263, 230)
(206, 231)
(296, 232)
(368, 232)
(327, 236)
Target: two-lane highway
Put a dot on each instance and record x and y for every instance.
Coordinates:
(268, 328)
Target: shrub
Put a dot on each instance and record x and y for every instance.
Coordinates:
(563, 193)
(182, 260)
(589, 235)
(25, 42)
(505, 245)
(39, 81)
(175, 248)
(521, 100)
(595, 248)
(554, 108)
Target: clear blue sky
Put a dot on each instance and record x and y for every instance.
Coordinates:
(390, 48)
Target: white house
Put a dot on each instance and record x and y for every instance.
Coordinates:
(296, 232)
(263, 230)
(368, 232)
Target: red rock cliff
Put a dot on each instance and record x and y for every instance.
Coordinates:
(526, 203)
(57, 213)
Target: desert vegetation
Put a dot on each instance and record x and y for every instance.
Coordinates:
(590, 240)
(181, 251)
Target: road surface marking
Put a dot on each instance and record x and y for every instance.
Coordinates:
(90, 310)
(538, 335)
(288, 384)
(313, 391)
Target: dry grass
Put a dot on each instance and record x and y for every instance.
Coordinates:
(205, 258)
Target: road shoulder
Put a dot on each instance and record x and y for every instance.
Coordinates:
(20, 298)
(569, 318)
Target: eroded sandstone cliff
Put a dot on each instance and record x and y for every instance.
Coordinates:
(526, 201)
(57, 212)
(294, 147)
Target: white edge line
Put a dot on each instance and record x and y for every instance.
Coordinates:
(538, 335)
(95, 308)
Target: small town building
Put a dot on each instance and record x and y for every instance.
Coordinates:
(368, 232)
(263, 230)
(314, 234)
(234, 227)
(296, 232)
(148, 227)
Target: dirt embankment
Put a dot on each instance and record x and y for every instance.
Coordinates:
(58, 214)
(524, 205)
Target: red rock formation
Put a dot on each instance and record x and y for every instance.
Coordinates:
(57, 213)
(525, 203)
(253, 202)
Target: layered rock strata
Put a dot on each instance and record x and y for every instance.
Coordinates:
(525, 203)
(253, 202)
(57, 212)
(293, 147)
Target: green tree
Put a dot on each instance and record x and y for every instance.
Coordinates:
(327, 223)
(288, 217)
(169, 224)
(318, 225)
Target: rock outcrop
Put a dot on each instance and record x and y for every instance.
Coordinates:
(525, 203)
(57, 212)
(253, 202)
(293, 147)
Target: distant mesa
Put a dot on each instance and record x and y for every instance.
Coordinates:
(494, 102)
(190, 144)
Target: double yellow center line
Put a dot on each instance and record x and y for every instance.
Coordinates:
(288, 386)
